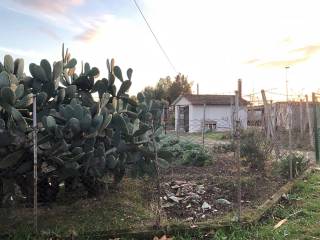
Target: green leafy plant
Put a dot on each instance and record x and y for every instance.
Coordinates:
(183, 152)
(256, 149)
(87, 128)
(299, 165)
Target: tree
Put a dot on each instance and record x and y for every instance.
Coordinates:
(162, 88)
(168, 90)
(178, 87)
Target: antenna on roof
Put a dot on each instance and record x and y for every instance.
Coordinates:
(197, 88)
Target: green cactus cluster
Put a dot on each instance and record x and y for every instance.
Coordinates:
(86, 127)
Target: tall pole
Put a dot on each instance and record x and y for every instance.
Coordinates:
(290, 125)
(287, 87)
(237, 152)
(178, 120)
(35, 164)
(315, 128)
(204, 123)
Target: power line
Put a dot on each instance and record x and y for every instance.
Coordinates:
(155, 37)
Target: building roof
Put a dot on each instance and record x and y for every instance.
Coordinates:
(195, 99)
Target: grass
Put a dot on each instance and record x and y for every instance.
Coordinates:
(303, 202)
(218, 135)
(303, 224)
(126, 209)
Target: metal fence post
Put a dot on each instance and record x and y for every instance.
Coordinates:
(178, 121)
(203, 123)
(35, 164)
(237, 152)
(158, 220)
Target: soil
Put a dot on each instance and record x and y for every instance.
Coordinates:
(211, 191)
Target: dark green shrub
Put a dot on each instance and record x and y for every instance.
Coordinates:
(183, 152)
(255, 148)
(299, 165)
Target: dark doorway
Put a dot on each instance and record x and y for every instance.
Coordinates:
(186, 118)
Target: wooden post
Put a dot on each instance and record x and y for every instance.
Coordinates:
(301, 118)
(290, 140)
(237, 152)
(269, 125)
(309, 121)
(315, 128)
(35, 164)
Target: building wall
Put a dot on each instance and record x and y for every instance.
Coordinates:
(221, 114)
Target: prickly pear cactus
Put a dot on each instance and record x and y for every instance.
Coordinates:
(87, 128)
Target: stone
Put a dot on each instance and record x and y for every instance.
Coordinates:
(175, 199)
(206, 206)
(223, 201)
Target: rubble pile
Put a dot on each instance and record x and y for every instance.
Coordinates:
(192, 201)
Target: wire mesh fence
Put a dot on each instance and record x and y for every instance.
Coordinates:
(205, 167)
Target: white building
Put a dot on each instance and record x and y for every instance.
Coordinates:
(217, 110)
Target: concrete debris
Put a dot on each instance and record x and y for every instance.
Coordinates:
(192, 200)
(223, 201)
(175, 199)
(206, 206)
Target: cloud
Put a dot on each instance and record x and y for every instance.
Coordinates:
(287, 40)
(87, 35)
(308, 50)
(293, 57)
(48, 32)
(93, 27)
(47, 6)
(20, 52)
(252, 61)
(282, 63)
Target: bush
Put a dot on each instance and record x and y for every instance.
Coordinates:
(183, 152)
(299, 165)
(256, 149)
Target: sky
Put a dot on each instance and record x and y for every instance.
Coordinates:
(213, 42)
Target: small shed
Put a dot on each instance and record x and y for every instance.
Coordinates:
(215, 111)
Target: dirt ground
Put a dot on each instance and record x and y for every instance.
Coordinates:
(188, 194)
(197, 193)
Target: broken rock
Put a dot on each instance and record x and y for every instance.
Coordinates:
(223, 201)
(175, 199)
(206, 206)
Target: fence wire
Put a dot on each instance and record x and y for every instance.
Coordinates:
(198, 180)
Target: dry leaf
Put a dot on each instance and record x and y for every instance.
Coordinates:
(280, 223)
(71, 71)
